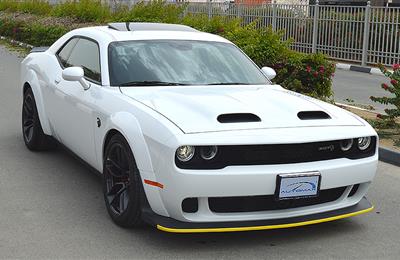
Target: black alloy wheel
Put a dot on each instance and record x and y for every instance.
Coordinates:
(122, 186)
(117, 179)
(32, 131)
(28, 114)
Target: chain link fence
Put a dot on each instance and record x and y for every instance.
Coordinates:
(359, 34)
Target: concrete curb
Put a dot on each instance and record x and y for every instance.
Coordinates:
(370, 70)
(389, 156)
(342, 105)
(22, 44)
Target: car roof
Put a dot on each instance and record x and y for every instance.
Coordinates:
(129, 26)
(147, 31)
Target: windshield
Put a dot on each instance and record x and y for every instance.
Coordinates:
(180, 62)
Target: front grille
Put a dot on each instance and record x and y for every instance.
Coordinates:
(267, 154)
(269, 202)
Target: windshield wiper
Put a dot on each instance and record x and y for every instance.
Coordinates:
(152, 83)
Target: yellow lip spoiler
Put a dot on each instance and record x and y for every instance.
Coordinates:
(175, 226)
(254, 228)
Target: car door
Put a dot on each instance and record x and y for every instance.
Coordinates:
(72, 109)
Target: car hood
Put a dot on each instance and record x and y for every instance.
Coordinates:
(195, 109)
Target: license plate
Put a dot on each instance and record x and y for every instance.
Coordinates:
(297, 185)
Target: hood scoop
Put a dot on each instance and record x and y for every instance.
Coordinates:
(313, 115)
(238, 118)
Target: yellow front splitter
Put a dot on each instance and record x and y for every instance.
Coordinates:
(174, 226)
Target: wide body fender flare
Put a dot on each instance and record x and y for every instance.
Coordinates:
(32, 79)
(126, 124)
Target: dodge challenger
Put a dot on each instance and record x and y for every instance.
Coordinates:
(190, 135)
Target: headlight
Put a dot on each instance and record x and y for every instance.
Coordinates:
(185, 153)
(364, 143)
(208, 152)
(346, 144)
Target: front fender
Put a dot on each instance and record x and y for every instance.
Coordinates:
(129, 127)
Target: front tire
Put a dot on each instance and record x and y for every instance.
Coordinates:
(32, 131)
(122, 185)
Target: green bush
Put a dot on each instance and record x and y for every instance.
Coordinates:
(83, 10)
(38, 7)
(154, 11)
(264, 46)
(33, 33)
(309, 74)
(39, 35)
(216, 25)
(10, 28)
(8, 5)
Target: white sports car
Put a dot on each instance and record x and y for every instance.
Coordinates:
(190, 135)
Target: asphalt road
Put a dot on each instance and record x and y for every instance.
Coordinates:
(51, 207)
(359, 87)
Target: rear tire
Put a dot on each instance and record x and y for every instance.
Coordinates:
(122, 185)
(32, 131)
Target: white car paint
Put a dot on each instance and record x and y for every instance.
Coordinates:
(157, 120)
(194, 109)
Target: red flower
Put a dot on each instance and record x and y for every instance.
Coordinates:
(308, 69)
(385, 86)
(220, 30)
(378, 116)
(394, 82)
(315, 74)
(321, 69)
(396, 66)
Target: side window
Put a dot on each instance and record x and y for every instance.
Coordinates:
(86, 54)
(64, 53)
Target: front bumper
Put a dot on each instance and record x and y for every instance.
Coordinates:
(175, 226)
(249, 181)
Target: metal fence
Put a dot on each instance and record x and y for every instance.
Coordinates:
(360, 34)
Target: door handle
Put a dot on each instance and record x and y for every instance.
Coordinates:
(57, 81)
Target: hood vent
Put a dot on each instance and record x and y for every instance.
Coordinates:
(238, 118)
(313, 115)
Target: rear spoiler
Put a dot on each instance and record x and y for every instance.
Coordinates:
(39, 49)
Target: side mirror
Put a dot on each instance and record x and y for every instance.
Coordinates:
(75, 74)
(269, 72)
